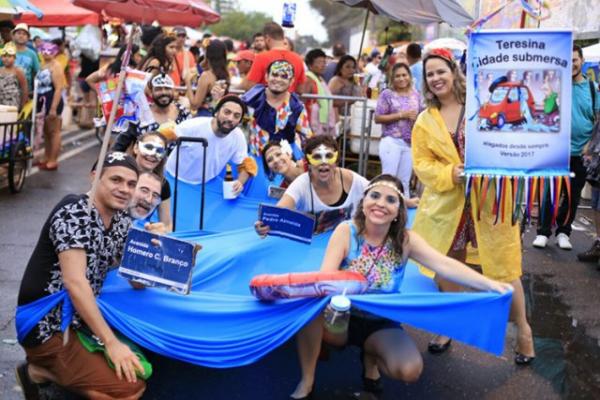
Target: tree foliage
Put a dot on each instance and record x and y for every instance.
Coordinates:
(240, 25)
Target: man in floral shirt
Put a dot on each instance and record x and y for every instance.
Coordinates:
(77, 246)
(276, 114)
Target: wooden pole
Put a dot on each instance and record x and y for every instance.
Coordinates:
(113, 113)
(362, 39)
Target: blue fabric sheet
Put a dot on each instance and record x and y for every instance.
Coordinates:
(220, 215)
(220, 324)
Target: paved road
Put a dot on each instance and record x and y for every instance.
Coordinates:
(562, 295)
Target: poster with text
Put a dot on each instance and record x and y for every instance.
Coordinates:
(518, 103)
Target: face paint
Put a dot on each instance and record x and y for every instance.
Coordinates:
(152, 149)
(322, 155)
(281, 69)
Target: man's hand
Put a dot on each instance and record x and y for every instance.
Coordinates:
(237, 187)
(124, 360)
(157, 227)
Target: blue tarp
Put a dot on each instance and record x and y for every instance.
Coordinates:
(220, 324)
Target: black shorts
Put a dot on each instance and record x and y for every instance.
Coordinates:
(85, 87)
(44, 101)
(363, 325)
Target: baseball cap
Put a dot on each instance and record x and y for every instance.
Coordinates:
(244, 55)
(162, 80)
(21, 27)
(179, 30)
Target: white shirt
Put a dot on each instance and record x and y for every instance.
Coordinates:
(220, 151)
(375, 73)
(301, 188)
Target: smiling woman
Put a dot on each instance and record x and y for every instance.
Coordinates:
(376, 244)
(327, 191)
(445, 218)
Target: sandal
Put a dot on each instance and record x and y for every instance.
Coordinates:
(438, 348)
(522, 359)
(31, 391)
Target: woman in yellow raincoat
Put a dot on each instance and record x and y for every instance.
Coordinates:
(444, 218)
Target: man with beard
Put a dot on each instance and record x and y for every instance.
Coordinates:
(166, 112)
(226, 144)
(146, 198)
(276, 113)
(258, 42)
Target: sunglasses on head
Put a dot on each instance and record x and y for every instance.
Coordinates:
(151, 149)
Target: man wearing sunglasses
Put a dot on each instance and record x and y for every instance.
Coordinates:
(226, 145)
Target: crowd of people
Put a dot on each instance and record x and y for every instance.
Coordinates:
(270, 129)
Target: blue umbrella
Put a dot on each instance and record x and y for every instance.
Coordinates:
(10, 8)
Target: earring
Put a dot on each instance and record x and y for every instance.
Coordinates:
(396, 219)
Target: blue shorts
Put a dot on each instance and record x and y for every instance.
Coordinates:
(595, 199)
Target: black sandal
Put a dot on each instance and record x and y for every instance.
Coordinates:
(31, 391)
(522, 359)
(438, 348)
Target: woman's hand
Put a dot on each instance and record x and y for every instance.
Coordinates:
(458, 173)
(410, 115)
(261, 229)
(52, 113)
(413, 202)
(499, 287)
(217, 91)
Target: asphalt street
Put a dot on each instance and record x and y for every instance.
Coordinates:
(562, 294)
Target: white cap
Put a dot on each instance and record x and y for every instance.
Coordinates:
(340, 303)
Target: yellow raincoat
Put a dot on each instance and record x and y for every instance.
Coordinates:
(441, 206)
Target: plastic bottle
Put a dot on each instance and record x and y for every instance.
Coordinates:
(375, 93)
(337, 315)
(228, 192)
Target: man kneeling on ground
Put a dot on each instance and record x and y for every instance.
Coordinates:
(77, 246)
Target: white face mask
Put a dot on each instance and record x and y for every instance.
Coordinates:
(152, 148)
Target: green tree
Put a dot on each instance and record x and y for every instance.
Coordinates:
(240, 25)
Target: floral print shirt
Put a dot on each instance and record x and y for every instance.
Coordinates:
(382, 267)
(390, 102)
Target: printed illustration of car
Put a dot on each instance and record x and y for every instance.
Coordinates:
(506, 104)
